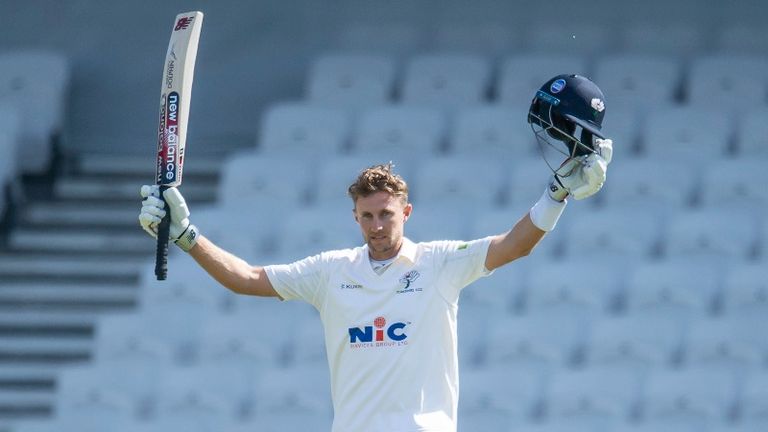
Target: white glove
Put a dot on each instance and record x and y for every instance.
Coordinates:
(182, 232)
(582, 176)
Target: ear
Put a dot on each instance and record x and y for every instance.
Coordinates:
(354, 214)
(407, 211)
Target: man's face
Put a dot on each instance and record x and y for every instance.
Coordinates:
(381, 217)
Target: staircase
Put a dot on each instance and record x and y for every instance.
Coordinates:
(74, 254)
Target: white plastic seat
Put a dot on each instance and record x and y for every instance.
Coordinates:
(723, 234)
(208, 392)
(242, 228)
(299, 129)
(594, 395)
(634, 342)
(497, 131)
(692, 395)
(351, 81)
(568, 37)
(603, 234)
(187, 290)
(734, 81)
(643, 81)
(660, 186)
(395, 39)
(561, 289)
(396, 131)
(500, 220)
(742, 37)
(309, 344)
(446, 81)
(310, 231)
(522, 75)
(669, 288)
(487, 38)
(730, 184)
(656, 37)
(754, 402)
(688, 133)
(527, 179)
(554, 425)
(509, 394)
(653, 425)
(37, 83)
(304, 389)
(282, 422)
(542, 342)
(496, 295)
(428, 224)
(274, 183)
(752, 133)
(625, 127)
(723, 343)
(454, 182)
(746, 290)
(334, 177)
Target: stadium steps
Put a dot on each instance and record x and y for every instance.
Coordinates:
(75, 253)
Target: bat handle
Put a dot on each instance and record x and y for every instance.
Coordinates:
(163, 236)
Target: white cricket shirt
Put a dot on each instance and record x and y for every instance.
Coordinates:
(390, 338)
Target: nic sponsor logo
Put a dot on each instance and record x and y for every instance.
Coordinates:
(380, 334)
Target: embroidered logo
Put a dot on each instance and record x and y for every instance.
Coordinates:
(408, 279)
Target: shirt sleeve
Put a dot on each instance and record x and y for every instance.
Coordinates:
(464, 263)
(299, 280)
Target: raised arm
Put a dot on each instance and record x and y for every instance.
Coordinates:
(229, 270)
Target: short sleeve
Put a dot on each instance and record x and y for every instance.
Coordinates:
(298, 280)
(464, 263)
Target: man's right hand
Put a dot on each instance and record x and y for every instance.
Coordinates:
(182, 232)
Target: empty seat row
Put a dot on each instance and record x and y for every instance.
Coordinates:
(451, 81)
(670, 132)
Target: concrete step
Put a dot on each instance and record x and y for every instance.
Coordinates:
(51, 293)
(74, 188)
(67, 215)
(73, 240)
(144, 166)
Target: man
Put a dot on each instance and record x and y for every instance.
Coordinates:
(389, 307)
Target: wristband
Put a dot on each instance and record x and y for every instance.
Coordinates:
(188, 238)
(545, 213)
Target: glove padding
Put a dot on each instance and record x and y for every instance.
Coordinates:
(582, 176)
(182, 232)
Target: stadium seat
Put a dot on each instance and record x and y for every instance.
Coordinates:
(746, 290)
(668, 288)
(299, 129)
(309, 344)
(687, 133)
(570, 425)
(692, 395)
(351, 81)
(742, 37)
(735, 81)
(242, 228)
(598, 396)
(504, 395)
(487, 39)
(397, 40)
(496, 131)
(500, 220)
(625, 127)
(730, 184)
(646, 185)
(445, 81)
(282, 422)
(721, 233)
(37, 83)
(723, 343)
(541, 342)
(563, 289)
(10, 131)
(297, 390)
(526, 181)
(428, 224)
(752, 133)
(567, 37)
(602, 234)
(634, 342)
(277, 183)
(658, 37)
(641, 81)
(659, 426)
(743, 426)
(84, 423)
(754, 402)
(307, 232)
(148, 335)
(207, 392)
(459, 182)
(394, 132)
(522, 75)
(188, 290)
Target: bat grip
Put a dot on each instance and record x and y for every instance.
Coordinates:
(163, 236)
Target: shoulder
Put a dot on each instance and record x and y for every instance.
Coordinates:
(341, 256)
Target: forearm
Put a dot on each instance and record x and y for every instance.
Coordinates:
(515, 243)
(230, 271)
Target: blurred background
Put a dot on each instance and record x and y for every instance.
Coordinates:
(645, 310)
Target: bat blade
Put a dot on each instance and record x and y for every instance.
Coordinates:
(175, 94)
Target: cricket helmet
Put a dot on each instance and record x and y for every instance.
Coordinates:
(570, 109)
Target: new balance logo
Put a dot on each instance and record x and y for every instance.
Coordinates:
(183, 23)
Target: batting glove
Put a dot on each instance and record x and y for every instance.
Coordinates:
(182, 232)
(582, 176)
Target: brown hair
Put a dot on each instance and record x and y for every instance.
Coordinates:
(378, 178)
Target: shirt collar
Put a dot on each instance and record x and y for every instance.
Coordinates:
(407, 250)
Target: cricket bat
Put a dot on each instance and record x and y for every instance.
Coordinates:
(175, 94)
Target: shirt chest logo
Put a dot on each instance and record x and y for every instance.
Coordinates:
(407, 280)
